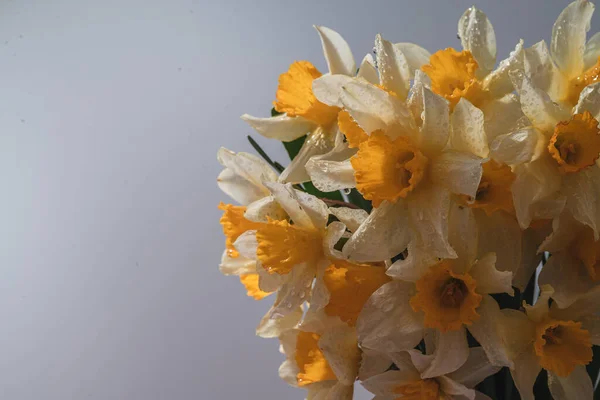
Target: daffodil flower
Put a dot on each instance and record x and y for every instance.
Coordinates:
(571, 63)
(408, 382)
(302, 112)
(558, 340)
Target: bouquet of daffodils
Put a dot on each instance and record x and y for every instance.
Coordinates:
(436, 234)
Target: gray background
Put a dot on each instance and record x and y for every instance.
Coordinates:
(111, 113)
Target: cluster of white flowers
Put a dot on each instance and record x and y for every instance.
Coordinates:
(475, 173)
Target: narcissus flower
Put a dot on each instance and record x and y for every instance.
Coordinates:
(302, 112)
(407, 381)
(558, 340)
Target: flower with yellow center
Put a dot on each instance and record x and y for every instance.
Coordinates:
(407, 381)
(312, 365)
(575, 144)
(302, 113)
(449, 296)
(558, 340)
(494, 190)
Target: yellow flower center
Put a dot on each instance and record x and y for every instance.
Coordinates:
(425, 389)
(447, 299)
(587, 250)
(295, 96)
(281, 246)
(387, 169)
(562, 345)
(312, 365)
(577, 84)
(452, 75)
(250, 282)
(234, 224)
(350, 286)
(494, 190)
(355, 135)
(575, 144)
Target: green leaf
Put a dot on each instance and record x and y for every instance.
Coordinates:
(274, 112)
(278, 167)
(356, 198)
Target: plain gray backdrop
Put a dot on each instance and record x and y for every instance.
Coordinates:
(111, 113)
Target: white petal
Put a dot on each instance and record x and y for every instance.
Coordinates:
(247, 167)
(475, 369)
(463, 235)
(517, 331)
(477, 35)
(591, 323)
(540, 309)
(269, 282)
(246, 245)
(542, 71)
(333, 234)
(451, 351)
(413, 266)
(314, 207)
(386, 383)
(337, 52)
(272, 328)
(577, 385)
(387, 322)
(428, 208)
(568, 37)
(340, 391)
(329, 176)
(435, 115)
(487, 332)
(525, 372)
(498, 82)
(564, 228)
(373, 363)
(489, 279)
(583, 196)
(368, 71)
(263, 209)
(373, 108)
(530, 259)
(543, 113)
(415, 55)
(236, 265)
(459, 172)
(381, 236)
(568, 278)
(592, 51)
(587, 304)
(340, 348)
(589, 100)
(281, 127)
(328, 88)
(468, 132)
(351, 217)
(393, 67)
(293, 292)
(452, 388)
(238, 187)
(288, 371)
(517, 147)
(287, 197)
(415, 359)
(316, 143)
(502, 116)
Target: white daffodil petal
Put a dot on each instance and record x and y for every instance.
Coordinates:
(415, 55)
(564, 274)
(517, 147)
(333, 234)
(263, 209)
(367, 70)
(540, 309)
(337, 52)
(294, 292)
(384, 384)
(428, 209)
(288, 371)
(314, 207)
(487, 332)
(477, 35)
(435, 116)
(248, 167)
(468, 133)
(328, 88)
(238, 188)
(287, 198)
(459, 172)
(498, 82)
(316, 144)
(577, 385)
(517, 331)
(246, 244)
(351, 217)
(269, 282)
(451, 351)
(488, 278)
(384, 234)
(415, 359)
(281, 127)
(463, 235)
(272, 328)
(339, 391)
(543, 113)
(563, 228)
(583, 197)
(394, 71)
(524, 373)
(589, 100)
(329, 176)
(236, 265)
(587, 304)
(591, 323)
(340, 348)
(502, 116)
(542, 71)
(568, 37)
(592, 51)
(372, 363)
(475, 369)
(453, 388)
(416, 263)
(387, 322)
